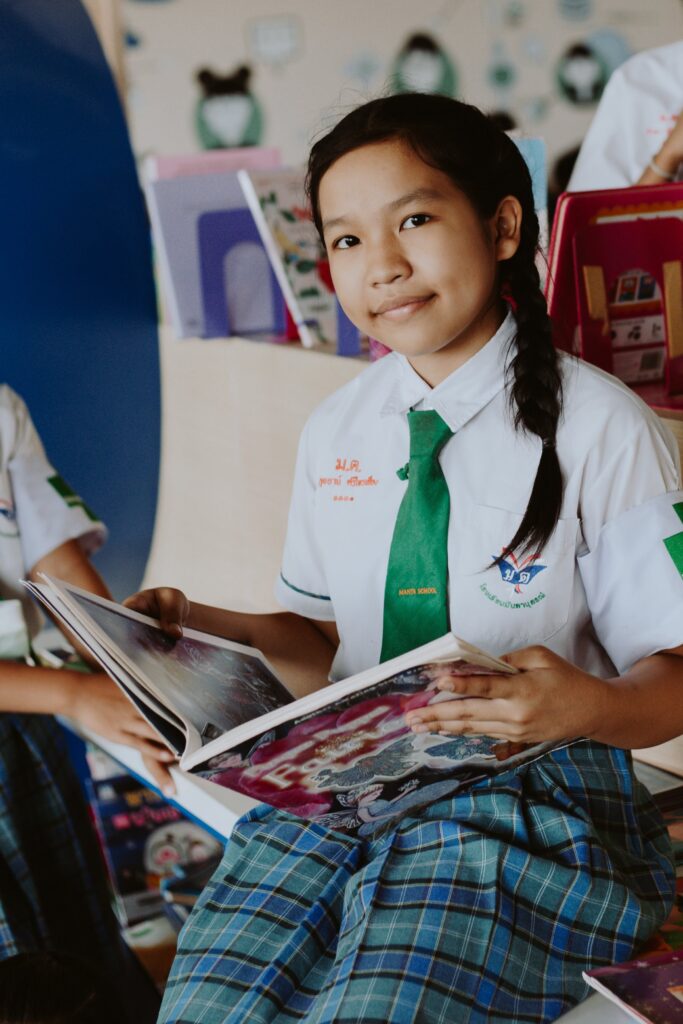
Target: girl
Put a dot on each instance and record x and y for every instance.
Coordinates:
(535, 511)
(53, 891)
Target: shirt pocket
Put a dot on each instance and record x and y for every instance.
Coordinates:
(524, 599)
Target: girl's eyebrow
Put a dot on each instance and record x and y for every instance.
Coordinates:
(418, 195)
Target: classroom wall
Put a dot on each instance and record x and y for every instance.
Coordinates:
(311, 58)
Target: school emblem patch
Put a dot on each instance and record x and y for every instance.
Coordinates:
(519, 574)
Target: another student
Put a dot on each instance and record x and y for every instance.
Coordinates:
(53, 893)
(480, 447)
(636, 136)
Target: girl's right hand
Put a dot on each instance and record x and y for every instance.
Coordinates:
(168, 605)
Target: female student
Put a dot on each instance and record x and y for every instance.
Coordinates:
(53, 893)
(528, 502)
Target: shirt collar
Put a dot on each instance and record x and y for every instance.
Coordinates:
(465, 391)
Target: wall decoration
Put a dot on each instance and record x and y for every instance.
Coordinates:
(501, 74)
(576, 10)
(423, 66)
(535, 109)
(581, 75)
(227, 114)
(513, 13)
(131, 40)
(533, 49)
(363, 67)
(275, 40)
(611, 46)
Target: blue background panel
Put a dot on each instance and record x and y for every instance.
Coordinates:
(78, 331)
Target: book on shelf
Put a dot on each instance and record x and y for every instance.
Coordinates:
(648, 989)
(143, 838)
(280, 210)
(615, 285)
(343, 755)
(215, 275)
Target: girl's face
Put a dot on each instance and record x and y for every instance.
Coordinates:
(412, 262)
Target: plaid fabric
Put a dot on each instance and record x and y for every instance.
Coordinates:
(485, 908)
(53, 890)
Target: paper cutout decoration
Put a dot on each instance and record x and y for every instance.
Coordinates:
(575, 10)
(227, 115)
(581, 75)
(422, 66)
(275, 40)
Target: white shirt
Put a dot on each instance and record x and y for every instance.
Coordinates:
(38, 512)
(637, 111)
(605, 592)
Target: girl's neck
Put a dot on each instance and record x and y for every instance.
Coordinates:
(434, 367)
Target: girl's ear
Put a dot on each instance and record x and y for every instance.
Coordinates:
(507, 224)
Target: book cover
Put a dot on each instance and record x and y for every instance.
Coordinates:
(143, 839)
(342, 755)
(278, 204)
(215, 273)
(649, 989)
(211, 161)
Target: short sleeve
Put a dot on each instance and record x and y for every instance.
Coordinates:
(302, 584)
(633, 524)
(48, 511)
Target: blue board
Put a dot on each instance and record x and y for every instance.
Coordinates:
(78, 333)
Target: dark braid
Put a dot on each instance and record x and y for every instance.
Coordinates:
(536, 389)
(486, 165)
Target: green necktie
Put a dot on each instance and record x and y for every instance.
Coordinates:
(416, 593)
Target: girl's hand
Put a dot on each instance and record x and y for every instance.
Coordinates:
(168, 605)
(549, 700)
(97, 704)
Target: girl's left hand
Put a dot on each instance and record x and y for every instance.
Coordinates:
(549, 699)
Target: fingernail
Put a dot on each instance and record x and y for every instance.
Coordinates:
(420, 728)
(168, 790)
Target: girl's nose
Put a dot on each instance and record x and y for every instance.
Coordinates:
(387, 264)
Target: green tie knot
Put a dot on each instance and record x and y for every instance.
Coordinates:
(428, 433)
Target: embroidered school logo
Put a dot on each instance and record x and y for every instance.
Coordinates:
(519, 574)
(8, 519)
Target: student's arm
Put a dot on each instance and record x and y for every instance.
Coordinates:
(91, 700)
(301, 650)
(551, 699)
(667, 159)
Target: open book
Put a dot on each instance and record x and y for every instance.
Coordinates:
(343, 756)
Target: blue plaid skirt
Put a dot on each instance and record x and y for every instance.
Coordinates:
(53, 889)
(485, 907)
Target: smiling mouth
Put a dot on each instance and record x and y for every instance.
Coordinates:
(402, 308)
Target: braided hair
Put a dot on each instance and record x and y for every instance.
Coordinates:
(486, 165)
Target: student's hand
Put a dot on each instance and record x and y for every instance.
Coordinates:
(96, 703)
(168, 605)
(548, 700)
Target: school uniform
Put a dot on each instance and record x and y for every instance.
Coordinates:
(638, 109)
(53, 892)
(483, 905)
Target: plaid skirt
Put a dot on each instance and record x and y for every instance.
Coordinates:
(485, 907)
(53, 889)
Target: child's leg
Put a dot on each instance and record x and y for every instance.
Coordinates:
(264, 933)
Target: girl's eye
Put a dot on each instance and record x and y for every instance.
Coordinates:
(345, 242)
(416, 220)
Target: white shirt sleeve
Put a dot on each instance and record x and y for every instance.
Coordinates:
(48, 512)
(632, 570)
(302, 584)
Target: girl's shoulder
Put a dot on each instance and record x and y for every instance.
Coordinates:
(600, 410)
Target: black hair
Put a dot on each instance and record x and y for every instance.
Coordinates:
(54, 988)
(486, 165)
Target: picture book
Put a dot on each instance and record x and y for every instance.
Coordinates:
(215, 274)
(144, 840)
(614, 285)
(343, 755)
(648, 989)
(278, 204)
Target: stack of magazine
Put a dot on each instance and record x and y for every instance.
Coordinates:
(342, 756)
